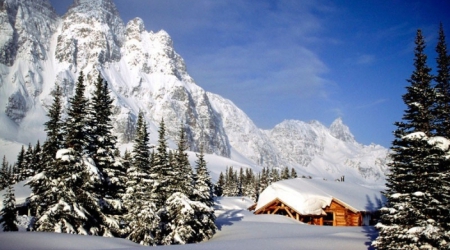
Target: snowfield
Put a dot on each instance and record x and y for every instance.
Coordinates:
(238, 229)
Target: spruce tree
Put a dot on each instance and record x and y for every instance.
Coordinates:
(4, 174)
(162, 169)
(20, 166)
(69, 207)
(293, 173)
(285, 174)
(205, 227)
(440, 177)
(77, 136)
(27, 169)
(36, 159)
(442, 87)
(218, 188)
(9, 211)
(41, 182)
(143, 222)
(104, 149)
(183, 178)
(407, 220)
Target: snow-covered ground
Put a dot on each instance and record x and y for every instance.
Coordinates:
(238, 229)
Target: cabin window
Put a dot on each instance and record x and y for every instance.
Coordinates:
(328, 220)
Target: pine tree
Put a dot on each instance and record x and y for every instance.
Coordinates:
(293, 173)
(4, 174)
(249, 184)
(218, 188)
(183, 171)
(104, 149)
(442, 87)
(53, 127)
(20, 166)
(274, 176)
(203, 193)
(27, 169)
(162, 169)
(285, 174)
(187, 220)
(36, 160)
(77, 136)
(143, 222)
(407, 220)
(9, 211)
(41, 182)
(203, 185)
(71, 209)
(440, 176)
(264, 179)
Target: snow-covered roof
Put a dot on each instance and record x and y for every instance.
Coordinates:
(311, 196)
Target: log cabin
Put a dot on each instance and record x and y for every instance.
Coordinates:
(319, 202)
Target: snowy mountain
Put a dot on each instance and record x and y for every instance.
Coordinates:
(39, 49)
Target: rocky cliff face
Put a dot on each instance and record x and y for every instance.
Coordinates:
(39, 49)
(25, 29)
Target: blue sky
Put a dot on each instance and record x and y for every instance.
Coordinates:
(304, 60)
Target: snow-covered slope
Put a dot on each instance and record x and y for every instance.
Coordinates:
(238, 229)
(39, 49)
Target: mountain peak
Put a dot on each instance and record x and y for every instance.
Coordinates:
(340, 131)
(95, 5)
(92, 34)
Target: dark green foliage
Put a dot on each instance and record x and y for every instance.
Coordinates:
(4, 174)
(76, 129)
(293, 173)
(285, 173)
(417, 212)
(142, 221)
(8, 213)
(20, 166)
(218, 188)
(41, 182)
(183, 178)
(103, 150)
(53, 127)
(442, 87)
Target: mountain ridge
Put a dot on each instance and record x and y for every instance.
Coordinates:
(145, 73)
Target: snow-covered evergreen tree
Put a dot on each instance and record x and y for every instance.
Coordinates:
(142, 220)
(183, 178)
(20, 166)
(231, 182)
(274, 176)
(264, 179)
(104, 146)
(410, 215)
(9, 212)
(285, 173)
(187, 220)
(442, 116)
(34, 166)
(41, 182)
(62, 212)
(76, 129)
(163, 171)
(249, 183)
(203, 193)
(442, 87)
(293, 173)
(4, 174)
(218, 188)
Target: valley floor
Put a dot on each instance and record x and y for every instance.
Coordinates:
(238, 229)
